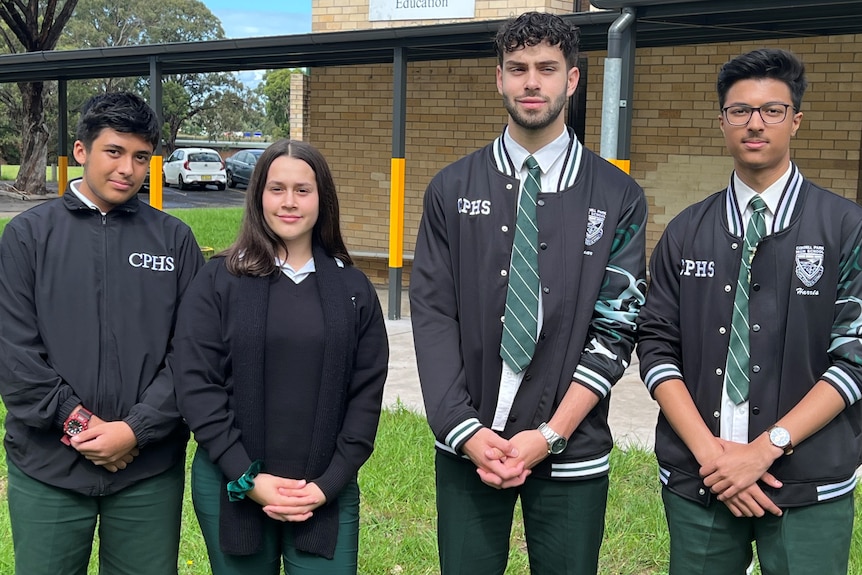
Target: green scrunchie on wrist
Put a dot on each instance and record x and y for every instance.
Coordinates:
(237, 489)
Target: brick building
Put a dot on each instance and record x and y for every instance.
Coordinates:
(453, 108)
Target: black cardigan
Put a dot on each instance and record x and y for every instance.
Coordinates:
(219, 351)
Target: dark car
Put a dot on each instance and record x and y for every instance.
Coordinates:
(240, 166)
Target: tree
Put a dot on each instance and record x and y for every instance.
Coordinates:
(240, 110)
(11, 124)
(33, 27)
(187, 97)
(276, 89)
(209, 99)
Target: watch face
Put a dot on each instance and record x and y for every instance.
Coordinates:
(779, 437)
(558, 446)
(74, 427)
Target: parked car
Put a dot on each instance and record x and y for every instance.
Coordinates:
(240, 166)
(188, 167)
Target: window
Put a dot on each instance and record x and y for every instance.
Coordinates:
(204, 157)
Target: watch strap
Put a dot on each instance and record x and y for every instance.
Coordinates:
(82, 413)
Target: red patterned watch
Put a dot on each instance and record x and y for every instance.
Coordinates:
(77, 422)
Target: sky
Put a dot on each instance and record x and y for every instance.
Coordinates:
(250, 18)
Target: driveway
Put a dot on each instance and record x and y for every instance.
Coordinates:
(207, 198)
(11, 205)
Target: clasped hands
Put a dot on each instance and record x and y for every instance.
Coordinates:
(733, 470)
(285, 499)
(109, 444)
(503, 463)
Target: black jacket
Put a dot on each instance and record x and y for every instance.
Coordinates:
(220, 343)
(87, 310)
(806, 301)
(592, 267)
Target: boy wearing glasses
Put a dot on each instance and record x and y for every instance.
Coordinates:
(749, 341)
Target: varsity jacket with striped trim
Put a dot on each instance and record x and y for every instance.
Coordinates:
(805, 311)
(592, 268)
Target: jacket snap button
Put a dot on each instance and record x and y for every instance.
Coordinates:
(727, 288)
(718, 371)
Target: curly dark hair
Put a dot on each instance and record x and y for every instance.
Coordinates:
(123, 112)
(533, 28)
(764, 63)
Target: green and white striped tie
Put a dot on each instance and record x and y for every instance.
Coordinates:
(522, 298)
(737, 377)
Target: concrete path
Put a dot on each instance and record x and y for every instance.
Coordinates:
(633, 413)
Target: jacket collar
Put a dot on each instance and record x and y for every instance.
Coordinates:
(786, 205)
(571, 165)
(74, 203)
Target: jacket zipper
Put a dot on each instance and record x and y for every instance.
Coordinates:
(102, 322)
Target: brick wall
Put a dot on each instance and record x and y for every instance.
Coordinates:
(298, 106)
(678, 152)
(453, 108)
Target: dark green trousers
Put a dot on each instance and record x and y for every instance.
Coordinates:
(278, 538)
(139, 527)
(564, 522)
(814, 539)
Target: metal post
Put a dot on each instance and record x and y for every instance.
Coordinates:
(156, 195)
(62, 136)
(396, 196)
(611, 101)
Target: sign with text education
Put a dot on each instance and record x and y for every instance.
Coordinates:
(381, 10)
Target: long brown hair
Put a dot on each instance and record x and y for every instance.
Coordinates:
(257, 246)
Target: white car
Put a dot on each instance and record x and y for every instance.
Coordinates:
(194, 167)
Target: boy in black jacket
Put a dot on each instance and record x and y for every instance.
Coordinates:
(89, 288)
(749, 341)
(526, 424)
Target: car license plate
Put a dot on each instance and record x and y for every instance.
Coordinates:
(206, 178)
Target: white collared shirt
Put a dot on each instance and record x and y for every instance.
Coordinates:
(73, 185)
(296, 275)
(550, 160)
(734, 418)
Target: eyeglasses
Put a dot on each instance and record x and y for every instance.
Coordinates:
(740, 115)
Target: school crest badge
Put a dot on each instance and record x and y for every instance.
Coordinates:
(595, 226)
(809, 264)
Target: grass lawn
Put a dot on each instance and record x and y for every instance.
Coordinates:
(10, 172)
(398, 526)
(398, 518)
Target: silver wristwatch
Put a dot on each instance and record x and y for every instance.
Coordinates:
(556, 442)
(780, 438)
